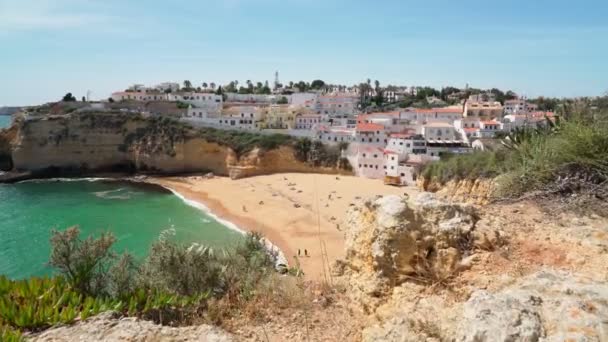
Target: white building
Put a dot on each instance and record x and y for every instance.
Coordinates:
(518, 106)
(335, 104)
(370, 162)
(301, 99)
(405, 144)
(334, 134)
(439, 131)
(371, 134)
(307, 121)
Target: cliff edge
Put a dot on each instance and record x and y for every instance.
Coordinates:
(104, 142)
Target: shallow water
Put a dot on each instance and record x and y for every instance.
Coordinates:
(136, 214)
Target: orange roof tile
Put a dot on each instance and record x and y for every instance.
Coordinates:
(369, 127)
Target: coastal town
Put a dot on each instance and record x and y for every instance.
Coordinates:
(384, 132)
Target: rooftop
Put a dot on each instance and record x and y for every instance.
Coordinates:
(369, 127)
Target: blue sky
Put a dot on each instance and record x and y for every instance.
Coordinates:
(535, 47)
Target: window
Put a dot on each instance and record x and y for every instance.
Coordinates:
(401, 143)
(402, 174)
(385, 167)
(392, 167)
(363, 155)
(375, 156)
(392, 158)
(376, 167)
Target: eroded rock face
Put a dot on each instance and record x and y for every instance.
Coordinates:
(109, 329)
(546, 306)
(390, 241)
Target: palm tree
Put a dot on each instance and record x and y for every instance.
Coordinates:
(187, 85)
(205, 85)
(212, 85)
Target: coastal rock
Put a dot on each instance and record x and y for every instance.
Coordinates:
(90, 142)
(107, 328)
(546, 306)
(390, 241)
(472, 191)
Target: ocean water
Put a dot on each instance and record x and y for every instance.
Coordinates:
(5, 121)
(136, 214)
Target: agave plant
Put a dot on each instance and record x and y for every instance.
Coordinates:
(516, 138)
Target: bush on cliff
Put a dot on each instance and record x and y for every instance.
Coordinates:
(174, 285)
(564, 159)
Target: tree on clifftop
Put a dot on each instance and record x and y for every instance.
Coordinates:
(317, 84)
(69, 98)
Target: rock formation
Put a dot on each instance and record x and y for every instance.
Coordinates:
(472, 191)
(107, 328)
(546, 306)
(126, 142)
(390, 241)
(399, 253)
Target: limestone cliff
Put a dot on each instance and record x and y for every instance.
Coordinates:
(430, 270)
(477, 191)
(93, 142)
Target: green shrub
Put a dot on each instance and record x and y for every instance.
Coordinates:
(534, 160)
(84, 263)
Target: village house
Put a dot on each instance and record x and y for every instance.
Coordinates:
(439, 131)
(518, 106)
(307, 121)
(333, 134)
(334, 104)
(371, 134)
(370, 162)
(482, 107)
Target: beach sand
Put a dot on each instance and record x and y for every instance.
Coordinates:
(294, 211)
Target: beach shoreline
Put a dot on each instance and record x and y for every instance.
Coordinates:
(300, 214)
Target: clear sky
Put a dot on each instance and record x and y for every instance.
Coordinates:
(535, 47)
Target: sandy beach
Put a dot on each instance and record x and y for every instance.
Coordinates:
(296, 212)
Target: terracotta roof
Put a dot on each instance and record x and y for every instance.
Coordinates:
(471, 129)
(369, 127)
(439, 110)
(390, 152)
(490, 122)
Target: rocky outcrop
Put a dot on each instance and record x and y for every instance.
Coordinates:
(546, 306)
(477, 191)
(390, 241)
(108, 328)
(125, 142)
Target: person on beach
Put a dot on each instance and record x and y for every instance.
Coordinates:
(305, 252)
(298, 252)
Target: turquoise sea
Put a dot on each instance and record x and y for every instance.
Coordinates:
(137, 214)
(5, 121)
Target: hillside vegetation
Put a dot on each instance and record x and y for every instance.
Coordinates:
(174, 285)
(569, 156)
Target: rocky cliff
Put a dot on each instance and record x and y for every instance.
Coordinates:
(431, 270)
(123, 142)
(478, 191)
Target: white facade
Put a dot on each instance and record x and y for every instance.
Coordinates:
(334, 104)
(370, 162)
(307, 121)
(301, 99)
(335, 135)
(371, 134)
(405, 144)
(518, 106)
(439, 131)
